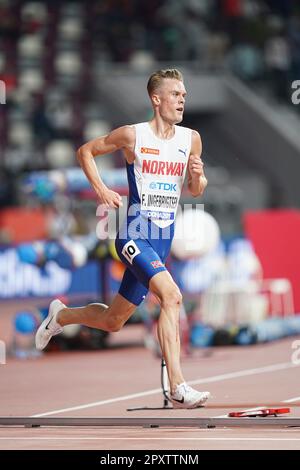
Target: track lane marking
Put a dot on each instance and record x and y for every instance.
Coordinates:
(291, 400)
(154, 438)
(215, 378)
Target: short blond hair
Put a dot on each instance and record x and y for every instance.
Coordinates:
(157, 77)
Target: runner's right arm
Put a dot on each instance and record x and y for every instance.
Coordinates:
(122, 137)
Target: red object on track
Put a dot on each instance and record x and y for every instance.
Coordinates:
(259, 412)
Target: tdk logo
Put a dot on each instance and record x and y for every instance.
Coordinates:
(163, 186)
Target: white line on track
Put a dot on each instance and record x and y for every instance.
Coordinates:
(291, 400)
(153, 438)
(215, 378)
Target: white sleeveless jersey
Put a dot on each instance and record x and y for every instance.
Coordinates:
(157, 175)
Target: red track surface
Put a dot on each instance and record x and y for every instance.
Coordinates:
(106, 380)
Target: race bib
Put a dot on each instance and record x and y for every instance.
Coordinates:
(130, 251)
(159, 199)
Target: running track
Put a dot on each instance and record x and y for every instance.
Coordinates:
(106, 383)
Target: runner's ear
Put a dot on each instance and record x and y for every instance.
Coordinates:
(155, 99)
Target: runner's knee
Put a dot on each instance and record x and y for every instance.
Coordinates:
(171, 297)
(114, 324)
(118, 313)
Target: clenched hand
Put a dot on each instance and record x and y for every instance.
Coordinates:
(110, 198)
(196, 166)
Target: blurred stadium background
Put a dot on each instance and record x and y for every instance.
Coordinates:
(75, 70)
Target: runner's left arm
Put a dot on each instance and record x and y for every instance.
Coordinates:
(197, 181)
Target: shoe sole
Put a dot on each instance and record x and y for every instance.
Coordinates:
(198, 404)
(43, 326)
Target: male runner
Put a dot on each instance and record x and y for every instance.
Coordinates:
(157, 154)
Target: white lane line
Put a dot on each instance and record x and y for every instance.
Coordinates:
(99, 403)
(215, 378)
(153, 438)
(291, 400)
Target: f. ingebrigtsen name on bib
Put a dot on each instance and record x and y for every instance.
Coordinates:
(154, 200)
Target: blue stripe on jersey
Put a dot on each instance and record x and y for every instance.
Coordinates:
(133, 210)
(134, 197)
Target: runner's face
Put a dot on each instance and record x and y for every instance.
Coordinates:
(172, 98)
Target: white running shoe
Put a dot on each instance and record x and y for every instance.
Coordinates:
(49, 327)
(187, 397)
